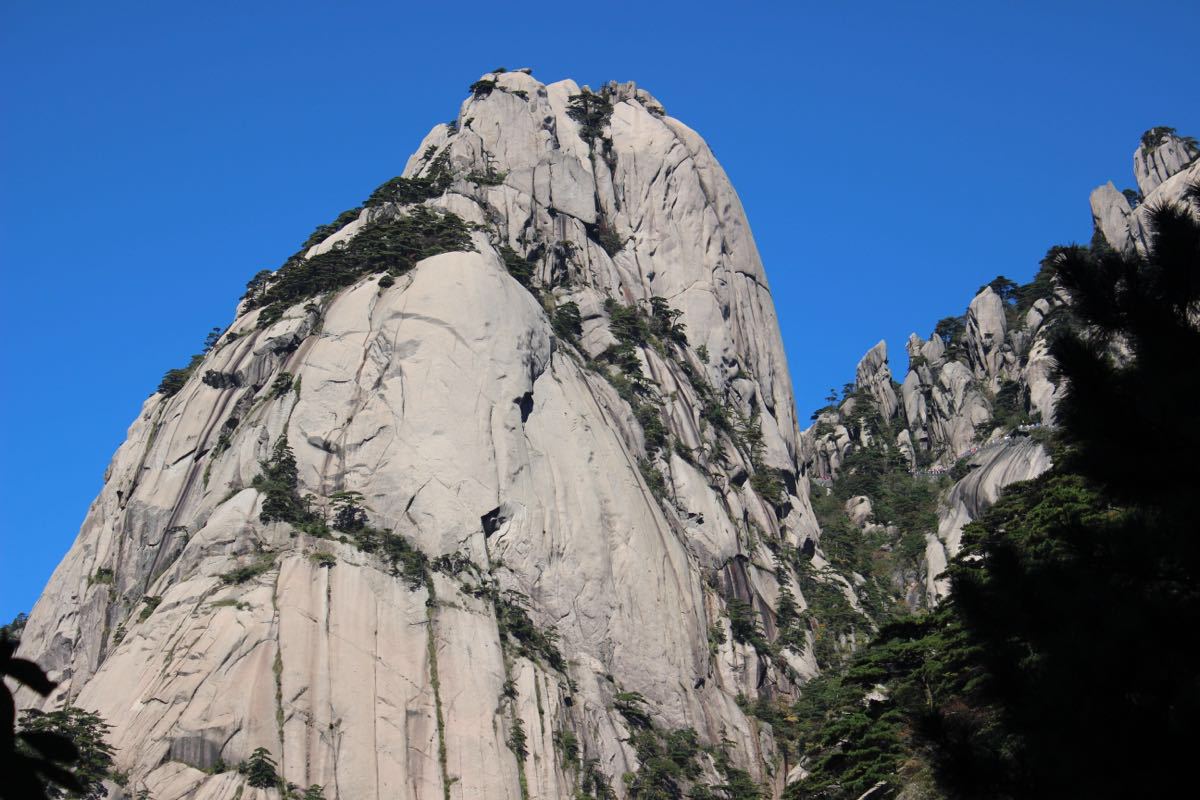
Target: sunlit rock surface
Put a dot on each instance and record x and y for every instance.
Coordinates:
(470, 428)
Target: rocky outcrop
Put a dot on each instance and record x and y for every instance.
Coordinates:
(983, 383)
(1169, 191)
(1162, 154)
(998, 465)
(1164, 164)
(985, 337)
(875, 377)
(555, 523)
(1110, 215)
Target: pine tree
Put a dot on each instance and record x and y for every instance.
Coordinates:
(1082, 589)
(260, 769)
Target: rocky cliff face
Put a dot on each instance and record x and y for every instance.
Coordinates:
(1164, 164)
(487, 523)
(495, 489)
(980, 386)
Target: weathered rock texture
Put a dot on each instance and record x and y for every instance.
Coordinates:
(1164, 165)
(972, 398)
(970, 402)
(470, 428)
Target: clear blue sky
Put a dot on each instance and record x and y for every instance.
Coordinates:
(892, 157)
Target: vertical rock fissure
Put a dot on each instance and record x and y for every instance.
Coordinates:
(522, 780)
(434, 682)
(277, 669)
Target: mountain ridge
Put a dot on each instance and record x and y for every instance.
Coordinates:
(495, 488)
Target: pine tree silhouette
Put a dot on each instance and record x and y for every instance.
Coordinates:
(1082, 589)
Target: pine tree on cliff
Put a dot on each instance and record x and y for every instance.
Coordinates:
(1084, 597)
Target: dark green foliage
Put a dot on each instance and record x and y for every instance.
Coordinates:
(749, 437)
(1086, 566)
(1042, 286)
(517, 741)
(175, 379)
(766, 481)
(670, 761)
(102, 575)
(258, 284)
(314, 792)
(788, 621)
(149, 604)
(518, 266)
(715, 413)
(212, 337)
(650, 418)
(1151, 138)
(666, 761)
(532, 642)
(603, 234)
(716, 637)
(348, 513)
(592, 783)
(634, 329)
(1023, 682)
(482, 87)
(664, 322)
(743, 625)
(834, 623)
(319, 235)
(35, 765)
(406, 191)
(950, 330)
(1113, 409)
(592, 112)
(961, 469)
(567, 744)
(389, 245)
(12, 631)
(899, 499)
(768, 485)
(221, 380)
(1007, 289)
(406, 560)
(278, 482)
(323, 559)
(260, 770)
(655, 481)
(350, 517)
(631, 705)
(1008, 408)
(566, 321)
(488, 177)
(627, 323)
(737, 783)
(282, 384)
(927, 665)
(72, 736)
(624, 357)
(250, 571)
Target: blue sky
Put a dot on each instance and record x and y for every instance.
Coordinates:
(892, 157)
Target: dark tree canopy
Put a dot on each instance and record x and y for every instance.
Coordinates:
(1061, 665)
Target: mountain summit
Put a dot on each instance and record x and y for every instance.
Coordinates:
(495, 489)
(490, 491)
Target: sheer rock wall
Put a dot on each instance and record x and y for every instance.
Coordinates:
(474, 431)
